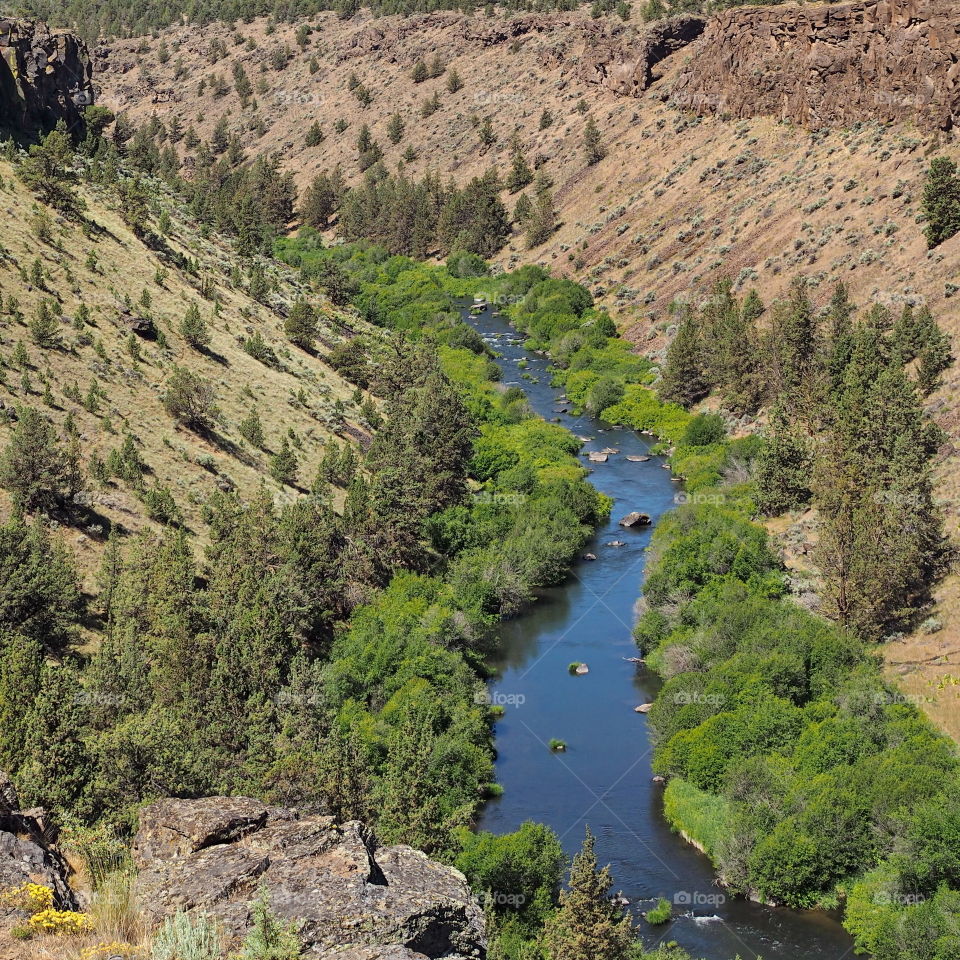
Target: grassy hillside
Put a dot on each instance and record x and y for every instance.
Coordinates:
(97, 276)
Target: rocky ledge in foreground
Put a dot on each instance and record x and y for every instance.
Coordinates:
(26, 854)
(350, 898)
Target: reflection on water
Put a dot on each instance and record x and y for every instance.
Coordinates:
(604, 778)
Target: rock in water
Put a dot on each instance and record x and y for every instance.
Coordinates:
(635, 519)
(349, 897)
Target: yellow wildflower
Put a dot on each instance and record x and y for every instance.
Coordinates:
(60, 922)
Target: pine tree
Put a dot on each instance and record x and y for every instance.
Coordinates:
(314, 135)
(47, 170)
(251, 429)
(523, 210)
(284, 464)
(454, 81)
(941, 201)
(301, 324)
(588, 926)
(784, 467)
(194, 329)
(520, 173)
(36, 467)
(395, 128)
(319, 202)
(682, 379)
(420, 72)
(542, 220)
(592, 144)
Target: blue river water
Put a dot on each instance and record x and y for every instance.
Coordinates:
(604, 778)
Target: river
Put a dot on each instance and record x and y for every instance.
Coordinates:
(604, 778)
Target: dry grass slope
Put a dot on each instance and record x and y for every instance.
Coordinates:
(106, 268)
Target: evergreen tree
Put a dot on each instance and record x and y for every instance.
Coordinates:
(194, 329)
(36, 467)
(593, 147)
(588, 926)
(395, 128)
(783, 470)
(682, 379)
(284, 464)
(47, 170)
(520, 174)
(300, 324)
(523, 210)
(941, 201)
(542, 221)
(314, 135)
(319, 202)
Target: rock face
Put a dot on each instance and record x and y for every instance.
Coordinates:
(44, 77)
(25, 852)
(350, 898)
(887, 60)
(628, 68)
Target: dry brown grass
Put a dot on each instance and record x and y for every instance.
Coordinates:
(188, 464)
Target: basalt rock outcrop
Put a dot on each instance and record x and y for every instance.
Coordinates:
(627, 67)
(44, 77)
(26, 854)
(836, 65)
(350, 898)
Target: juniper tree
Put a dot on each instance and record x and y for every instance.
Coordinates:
(39, 470)
(588, 925)
(682, 379)
(593, 147)
(941, 201)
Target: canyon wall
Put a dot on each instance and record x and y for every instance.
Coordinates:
(836, 65)
(44, 77)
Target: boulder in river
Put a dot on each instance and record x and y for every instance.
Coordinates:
(617, 543)
(596, 457)
(581, 669)
(634, 459)
(635, 519)
(643, 708)
(589, 556)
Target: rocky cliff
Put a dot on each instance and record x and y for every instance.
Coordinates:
(44, 77)
(836, 65)
(26, 854)
(350, 898)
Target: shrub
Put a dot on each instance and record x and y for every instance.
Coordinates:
(185, 937)
(704, 429)
(661, 913)
(190, 399)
